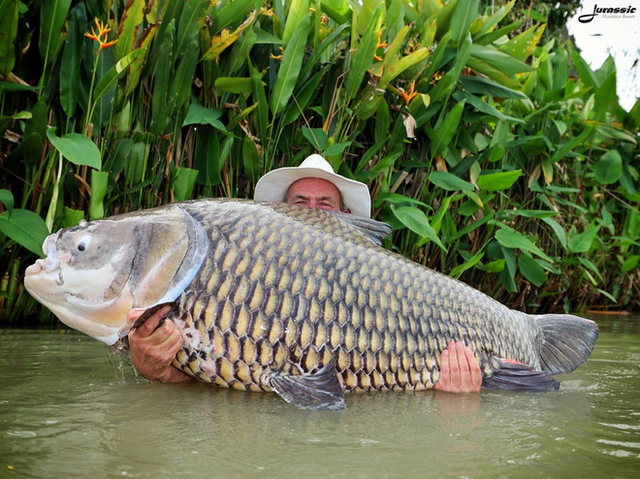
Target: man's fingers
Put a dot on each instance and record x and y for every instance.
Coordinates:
(445, 373)
(146, 328)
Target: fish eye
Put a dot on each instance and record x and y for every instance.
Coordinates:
(83, 243)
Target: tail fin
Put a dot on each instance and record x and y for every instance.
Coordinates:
(567, 343)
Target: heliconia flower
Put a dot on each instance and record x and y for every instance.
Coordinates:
(407, 97)
(103, 30)
(380, 45)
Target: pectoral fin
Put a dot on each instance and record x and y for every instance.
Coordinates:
(321, 390)
(514, 376)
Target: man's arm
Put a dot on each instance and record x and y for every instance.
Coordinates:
(459, 370)
(152, 350)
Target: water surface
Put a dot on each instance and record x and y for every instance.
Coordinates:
(66, 411)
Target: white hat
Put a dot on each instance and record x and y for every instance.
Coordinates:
(274, 185)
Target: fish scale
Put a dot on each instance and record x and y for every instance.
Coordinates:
(290, 306)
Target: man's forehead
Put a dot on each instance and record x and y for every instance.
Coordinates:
(313, 186)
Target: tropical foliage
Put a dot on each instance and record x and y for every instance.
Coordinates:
(492, 148)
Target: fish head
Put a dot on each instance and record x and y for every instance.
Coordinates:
(95, 273)
(85, 278)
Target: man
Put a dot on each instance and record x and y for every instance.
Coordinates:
(315, 185)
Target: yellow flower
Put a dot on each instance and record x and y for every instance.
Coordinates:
(103, 30)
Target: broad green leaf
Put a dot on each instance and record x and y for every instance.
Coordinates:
(290, 68)
(203, 116)
(53, 14)
(298, 11)
(564, 150)
(582, 243)
(490, 22)
(522, 46)
(317, 137)
(184, 180)
(495, 266)
(630, 263)
(76, 148)
(465, 13)
(363, 59)
(461, 268)
(250, 159)
(508, 275)
(531, 270)
(449, 181)
(395, 199)
(396, 68)
(498, 181)
(192, 20)
(609, 167)
(116, 72)
(485, 107)
(71, 217)
(485, 86)
(136, 67)
(6, 198)
(9, 17)
(25, 228)
(338, 10)
(131, 22)
(234, 12)
(443, 133)
(499, 60)
(337, 148)
(587, 75)
(260, 98)
(513, 239)
(417, 221)
(99, 183)
(71, 61)
(493, 73)
(235, 85)
(221, 42)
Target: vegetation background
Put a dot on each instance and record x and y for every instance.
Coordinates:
(488, 143)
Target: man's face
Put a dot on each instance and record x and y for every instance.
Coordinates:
(314, 193)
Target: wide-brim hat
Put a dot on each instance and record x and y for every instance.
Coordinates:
(274, 185)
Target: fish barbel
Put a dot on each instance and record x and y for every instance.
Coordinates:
(300, 301)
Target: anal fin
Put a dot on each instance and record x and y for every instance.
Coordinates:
(321, 390)
(513, 376)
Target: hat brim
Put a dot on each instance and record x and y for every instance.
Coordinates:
(274, 186)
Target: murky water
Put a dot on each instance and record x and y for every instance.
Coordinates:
(65, 411)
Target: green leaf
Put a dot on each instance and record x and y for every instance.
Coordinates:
(290, 68)
(582, 243)
(465, 13)
(449, 181)
(417, 221)
(71, 61)
(531, 270)
(498, 181)
(485, 107)
(609, 168)
(76, 148)
(363, 58)
(250, 159)
(461, 268)
(71, 217)
(485, 86)
(53, 15)
(298, 11)
(198, 115)
(132, 18)
(25, 228)
(9, 17)
(630, 263)
(513, 239)
(564, 150)
(317, 137)
(184, 180)
(499, 60)
(442, 134)
(114, 73)
(558, 230)
(495, 266)
(6, 198)
(237, 85)
(99, 183)
(522, 46)
(337, 148)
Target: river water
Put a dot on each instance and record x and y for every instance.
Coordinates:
(68, 410)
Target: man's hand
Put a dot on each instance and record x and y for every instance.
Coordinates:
(152, 350)
(459, 370)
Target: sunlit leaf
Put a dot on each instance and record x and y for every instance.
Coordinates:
(609, 167)
(203, 116)
(417, 221)
(582, 242)
(449, 181)
(25, 228)
(76, 148)
(513, 239)
(498, 181)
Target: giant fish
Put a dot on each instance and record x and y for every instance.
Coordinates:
(303, 302)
